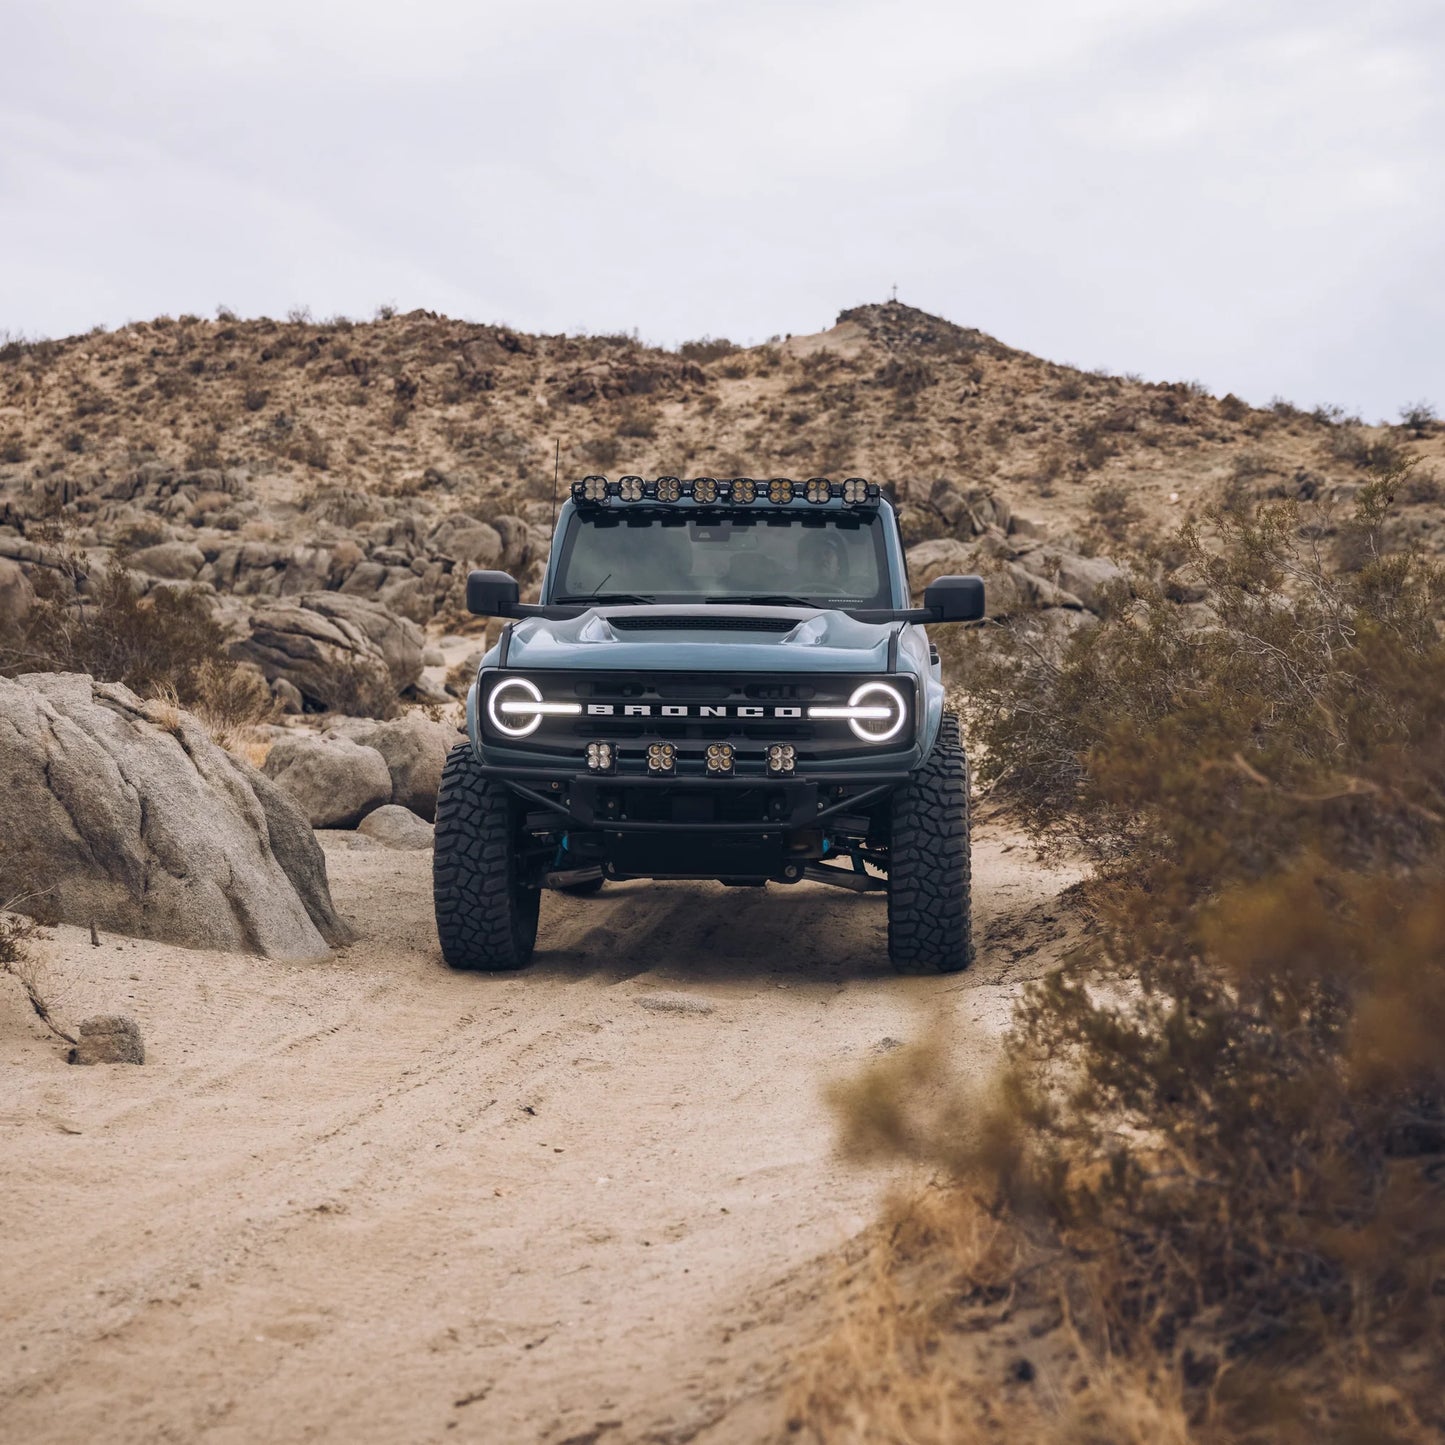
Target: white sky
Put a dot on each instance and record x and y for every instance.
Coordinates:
(1250, 193)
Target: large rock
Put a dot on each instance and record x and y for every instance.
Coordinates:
(170, 561)
(415, 749)
(338, 651)
(1087, 578)
(1010, 586)
(335, 781)
(125, 814)
(466, 540)
(17, 596)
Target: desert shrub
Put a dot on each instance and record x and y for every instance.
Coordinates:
(360, 691)
(1113, 510)
(637, 421)
(1220, 1143)
(1353, 445)
(906, 377)
(165, 639)
(707, 348)
(1418, 417)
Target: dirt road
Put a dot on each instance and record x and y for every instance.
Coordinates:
(377, 1201)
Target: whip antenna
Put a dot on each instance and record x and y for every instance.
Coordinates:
(556, 470)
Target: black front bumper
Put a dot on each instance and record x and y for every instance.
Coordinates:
(627, 803)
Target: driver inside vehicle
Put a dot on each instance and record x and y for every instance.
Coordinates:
(822, 565)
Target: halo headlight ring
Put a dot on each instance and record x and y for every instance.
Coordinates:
(513, 685)
(886, 694)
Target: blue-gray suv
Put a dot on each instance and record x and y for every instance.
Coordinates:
(723, 679)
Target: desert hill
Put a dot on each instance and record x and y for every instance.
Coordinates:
(281, 433)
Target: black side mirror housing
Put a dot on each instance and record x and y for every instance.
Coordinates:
(492, 594)
(953, 599)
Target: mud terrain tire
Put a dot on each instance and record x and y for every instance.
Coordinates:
(929, 864)
(485, 918)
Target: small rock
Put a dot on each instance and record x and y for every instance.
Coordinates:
(433, 656)
(109, 1039)
(288, 696)
(396, 827)
(676, 1003)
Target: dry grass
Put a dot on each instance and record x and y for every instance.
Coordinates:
(1219, 1146)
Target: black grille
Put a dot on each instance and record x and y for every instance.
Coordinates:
(691, 710)
(703, 624)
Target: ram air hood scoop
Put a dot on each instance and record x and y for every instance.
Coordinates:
(703, 638)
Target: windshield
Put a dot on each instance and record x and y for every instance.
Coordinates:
(835, 560)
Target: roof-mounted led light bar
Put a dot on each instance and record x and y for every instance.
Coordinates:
(735, 491)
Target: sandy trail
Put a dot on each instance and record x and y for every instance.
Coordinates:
(377, 1201)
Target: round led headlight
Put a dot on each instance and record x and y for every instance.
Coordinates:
(704, 489)
(744, 490)
(630, 489)
(855, 490)
(594, 489)
(669, 489)
(518, 689)
(874, 695)
(819, 489)
(780, 490)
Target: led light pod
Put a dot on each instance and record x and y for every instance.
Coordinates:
(857, 490)
(704, 489)
(630, 489)
(744, 490)
(661, 758)
(819, 489)
(594, 489)
(780, 491)
(669, 489)
(782, 758)
(601, 757)
(720, 758)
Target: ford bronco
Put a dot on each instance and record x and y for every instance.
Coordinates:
(724, 680)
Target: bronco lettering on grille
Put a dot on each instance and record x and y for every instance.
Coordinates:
(643, 709)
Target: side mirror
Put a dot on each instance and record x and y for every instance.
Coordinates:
(952, 599)
(492, 594)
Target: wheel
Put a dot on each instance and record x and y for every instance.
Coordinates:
(929, 865)
(486, 917)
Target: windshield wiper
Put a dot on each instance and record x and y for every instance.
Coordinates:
(764, 599)
(605, 597)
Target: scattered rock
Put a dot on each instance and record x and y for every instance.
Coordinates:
(335, 781)
(676, 1003)
(1087, 578)
(415, 749)
(433, 656)
(396, 827)
(109, 1039)
(126, 814)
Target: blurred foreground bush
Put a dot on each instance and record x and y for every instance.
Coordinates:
(1219, 1146)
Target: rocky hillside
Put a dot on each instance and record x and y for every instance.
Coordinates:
(277, 459)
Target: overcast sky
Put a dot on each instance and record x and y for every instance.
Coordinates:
(1248, 193)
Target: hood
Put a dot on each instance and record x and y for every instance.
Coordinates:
(720, 637)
